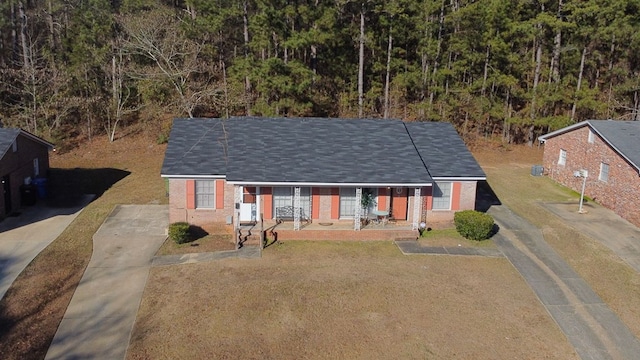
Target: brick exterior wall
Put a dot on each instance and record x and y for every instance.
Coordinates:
(620, 193)
(19, 165)
(206, 218)
(467, 201)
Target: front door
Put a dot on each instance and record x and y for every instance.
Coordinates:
(248, 206)
(6, 190)
(399, 203)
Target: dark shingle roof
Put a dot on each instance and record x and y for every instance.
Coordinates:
(316, 150)
(196, 147)
(443, 151)
(7, 137)
(321, 150)
(623, 136)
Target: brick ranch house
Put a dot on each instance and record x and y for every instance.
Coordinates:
(314, 172)
(24, 155)
(609, 151)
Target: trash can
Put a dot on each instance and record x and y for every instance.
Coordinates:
(27, 195)
(41, 186)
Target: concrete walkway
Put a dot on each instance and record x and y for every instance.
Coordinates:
(412, 247)
(593, 329)
(102, 312)
(23, 237)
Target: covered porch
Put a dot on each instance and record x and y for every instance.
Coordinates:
(374, 207)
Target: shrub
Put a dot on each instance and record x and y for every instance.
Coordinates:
(473, 225)
(179, 232)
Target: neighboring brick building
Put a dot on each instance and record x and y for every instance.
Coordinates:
(22, 155)
(317, 170)
(610, 152)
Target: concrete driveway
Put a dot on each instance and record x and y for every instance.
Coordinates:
(603, 225)
(23, 237)
(593, 329)
(102, 312)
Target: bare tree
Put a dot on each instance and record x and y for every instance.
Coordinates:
(158, 37)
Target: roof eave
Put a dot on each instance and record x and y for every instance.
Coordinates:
(329, 184)
(566, 129)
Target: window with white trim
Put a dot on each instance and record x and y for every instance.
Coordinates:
(441, 196)
(347, 202)
(562, 160)
(205, 194)
(592, 137)
(284, 196)
(604, 172)
(36, 167)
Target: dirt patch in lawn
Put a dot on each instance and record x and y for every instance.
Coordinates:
(343, 301)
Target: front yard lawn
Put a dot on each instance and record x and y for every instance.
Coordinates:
(343, 300)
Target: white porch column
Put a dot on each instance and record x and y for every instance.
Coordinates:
(258, 212)
(358, 210)
(296, 208)
(417, 201)
(237, 199)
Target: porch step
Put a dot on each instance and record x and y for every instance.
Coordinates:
(248, 235)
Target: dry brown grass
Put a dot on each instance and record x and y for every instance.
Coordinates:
(319, 300)
(34, 305)
(343, 300)
(215, 241)
(615, 282)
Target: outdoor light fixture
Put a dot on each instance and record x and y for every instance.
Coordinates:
(423, 226)
(583, 174)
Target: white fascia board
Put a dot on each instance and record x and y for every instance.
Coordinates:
(544, 137)
(187, 177)
(260, 183)
(476, 178)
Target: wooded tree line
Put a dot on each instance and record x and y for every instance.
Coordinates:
(509, 68)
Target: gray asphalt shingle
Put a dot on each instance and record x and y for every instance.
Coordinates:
(321, 150)
(623, 135)
(443, 151)
(196, 147)
(316, 150)
(7, 137)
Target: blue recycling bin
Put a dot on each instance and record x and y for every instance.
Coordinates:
(41, 187)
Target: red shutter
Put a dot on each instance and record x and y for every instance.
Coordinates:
(315, 203)
(382, 199)
(191, 194)
(335, 203)
(220, 194)
(455, 196)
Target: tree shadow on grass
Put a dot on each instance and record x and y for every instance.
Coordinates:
(66, 192)
(67, 186)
